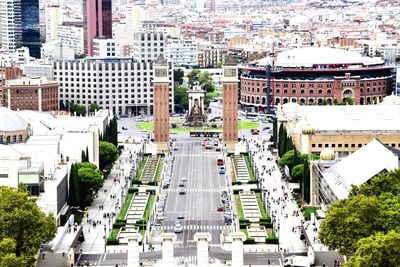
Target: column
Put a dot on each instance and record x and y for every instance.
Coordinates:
(202, 240)
(167, 240)
(133, 250)
(237, 248)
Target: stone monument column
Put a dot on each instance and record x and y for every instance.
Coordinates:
(202, 248)
(230, 103)
(161, 104)
(133, 250)
(167, 241)
(237, 248)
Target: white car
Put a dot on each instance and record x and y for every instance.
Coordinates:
(183, 179)
(178, 227)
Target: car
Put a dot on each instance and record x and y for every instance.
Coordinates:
(255, 131)
(220, 208)
(157, 223)
(221, 170)
(181, 216)
(182, 191)
(124, 128)
(178, 227)
(208, 146)
(266, 128)
(175, 148)
(160, 217)
(218, 149)
(216, 143)
(181, 184)
(183, 179)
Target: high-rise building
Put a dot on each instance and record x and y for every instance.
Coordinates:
(97, 16)
(19, 25)
(53, 15)
(30, 26)
(148, 45)
(10, 25)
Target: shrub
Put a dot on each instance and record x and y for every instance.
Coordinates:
(133, 190)
(272, 240)
(249, 240)
(120, 221)
(266, 224)
(214, 125)
(112, 241)
(253, 182)
(173, 125)
(151, 191)
(244, 221)
(152, 183)
(118, 225)
(236, 191)
(135, 181)
(256, 190)
(265, 219)
(236, 183)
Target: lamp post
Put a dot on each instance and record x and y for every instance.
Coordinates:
(105, 237)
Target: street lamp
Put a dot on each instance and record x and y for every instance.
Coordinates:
(105, 238)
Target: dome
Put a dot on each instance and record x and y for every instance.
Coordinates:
(327, 154)
(308, 129)
(11, 121)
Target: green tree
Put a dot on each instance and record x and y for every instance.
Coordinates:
(87, 165)
(23, 227)
(297, 172)
(90, 179)
(94, 107)
(78, 109)
(305, 181)
(178, 76)
(377, 250)
(206, 82)
(193, 77)
(107, 153)
(349, 220)
(181, 99)
(74, 191)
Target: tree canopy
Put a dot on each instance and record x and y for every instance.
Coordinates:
(366, 223)
(107, 153)
(178, 76)
(90, 179)
(181, 99)
(94, 107)
(23, 227)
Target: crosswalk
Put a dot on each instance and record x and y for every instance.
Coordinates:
(194, 227)
(196, 189)
(198, 155)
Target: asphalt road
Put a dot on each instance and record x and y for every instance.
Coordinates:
(202, 192)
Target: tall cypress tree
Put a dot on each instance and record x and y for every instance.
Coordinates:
(73, 195)
(83, 156)
(295, 158)
(305, 183)
(87, 154)
(280, 140)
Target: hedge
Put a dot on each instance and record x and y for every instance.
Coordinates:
(135, 181)
(272, 240)
(249, 240)
(151, 191)
(133, 190)
(152, 183)
(118, 225)
(236, 191)
(256, 190)
(236, 183)
(253, 182)
(112, 241)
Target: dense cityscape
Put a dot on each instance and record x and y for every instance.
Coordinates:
(199, 133)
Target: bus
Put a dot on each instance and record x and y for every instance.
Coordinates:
(220, 161)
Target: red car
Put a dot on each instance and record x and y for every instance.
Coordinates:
(221, 208)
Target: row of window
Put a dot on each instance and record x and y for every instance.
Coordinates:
(10, 139)
(348, 145)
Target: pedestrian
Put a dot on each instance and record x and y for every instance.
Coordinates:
(43, 254)
(63, 253)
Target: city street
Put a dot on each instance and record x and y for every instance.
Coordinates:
(202, 192)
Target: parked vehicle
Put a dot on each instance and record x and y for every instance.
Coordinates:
(221, 170)
(178, 227)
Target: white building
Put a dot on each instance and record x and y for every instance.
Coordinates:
(10, 25)
(148, 45)
(72, 35)
(122, 85)
(53, 16)
(17, 58)
(57, 50)
(41, 158)
(182, 52)
(105, 47)
(39, 69)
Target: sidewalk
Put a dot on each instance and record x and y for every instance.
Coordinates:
(281, 206)
(100, 216)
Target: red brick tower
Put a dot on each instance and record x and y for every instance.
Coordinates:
(161, 104)
(230, 103)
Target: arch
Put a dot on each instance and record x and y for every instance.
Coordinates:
(362, 101)
(311, 101)
(368, 100)
(294, 100)
(248, 99)
(302, 101)
(263, 100)
(329, 101)
(285, 100)
(320, 101)
(257, 100)
(252, 99)
(374, 100)
(277, 101)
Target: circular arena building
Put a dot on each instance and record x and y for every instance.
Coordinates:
(314, 75)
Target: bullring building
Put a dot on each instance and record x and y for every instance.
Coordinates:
(314, 75)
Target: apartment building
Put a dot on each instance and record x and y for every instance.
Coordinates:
(122, 85)
(147, 45)
(105, 47)
(72, 35)
(182, 52)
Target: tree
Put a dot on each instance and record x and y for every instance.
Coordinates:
(107, 153)
(87, 165)
(94, 107)
(377, 250)
(90, 179)
(78, 109)
(178, 76)
(206, 82)
(181, 99)
(349, 220)
(23, 227)
(297, 172)
(193, 77)
(305, 180)
(74, 191)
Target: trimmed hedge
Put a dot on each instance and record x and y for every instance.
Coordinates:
(236, 191)
(244, 221)
(253, 182)
(118, 225)
(249, 240)
(152, 183)
(135, 181)
(256, 190)
(272, 240)
(112, 241)
(151, 191)
(120, 221)
(236, 183)
(133, 190)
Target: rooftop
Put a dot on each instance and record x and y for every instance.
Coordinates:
(11, 120)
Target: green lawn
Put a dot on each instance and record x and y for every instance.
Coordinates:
(239, 208)
(159, 169)
(249, 167)
(114, 233)
(261, 205)
(141, 168)
(307, 212)
(242, 125)
(125, 207)
(149, 206)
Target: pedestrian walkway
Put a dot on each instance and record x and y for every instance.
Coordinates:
(195, 189)
(281, 206)
(52, 260)
(100, 216)
(194, 227)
